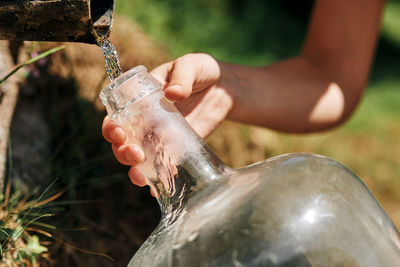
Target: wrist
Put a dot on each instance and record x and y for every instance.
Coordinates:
(229, 83)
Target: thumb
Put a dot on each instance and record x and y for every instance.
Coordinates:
(181, 79)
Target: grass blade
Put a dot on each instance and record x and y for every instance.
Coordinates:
(32, 60)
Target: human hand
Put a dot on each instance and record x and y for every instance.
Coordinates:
(193, 83)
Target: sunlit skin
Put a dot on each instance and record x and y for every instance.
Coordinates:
(315, 91)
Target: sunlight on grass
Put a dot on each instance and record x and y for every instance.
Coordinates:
(391, 21)
(379, 106)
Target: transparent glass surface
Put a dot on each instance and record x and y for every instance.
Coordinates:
(291, 210)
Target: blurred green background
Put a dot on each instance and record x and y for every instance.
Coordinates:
(257, 32)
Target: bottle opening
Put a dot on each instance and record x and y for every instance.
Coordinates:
(128, 88)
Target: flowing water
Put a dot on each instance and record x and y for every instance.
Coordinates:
(113, 67)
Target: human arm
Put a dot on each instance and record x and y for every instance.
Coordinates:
(321, 87)
(314, 91)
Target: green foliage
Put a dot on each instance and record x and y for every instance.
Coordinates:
(391, 22)
(33, 249)
(379, 107)
(249, 32)
(18, 218)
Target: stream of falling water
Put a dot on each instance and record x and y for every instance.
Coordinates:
(113, 67)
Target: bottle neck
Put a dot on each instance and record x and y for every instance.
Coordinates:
(176, 183)
(178, 163)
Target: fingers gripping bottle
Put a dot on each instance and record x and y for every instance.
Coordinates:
(290, 210)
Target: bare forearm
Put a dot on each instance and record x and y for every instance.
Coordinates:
(290, 96)
(320, 88)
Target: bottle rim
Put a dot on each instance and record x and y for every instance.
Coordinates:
(106, 91)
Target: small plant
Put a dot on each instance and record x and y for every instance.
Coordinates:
(19, 219)
(18, 216)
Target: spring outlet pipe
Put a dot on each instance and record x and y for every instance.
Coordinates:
(56, 20)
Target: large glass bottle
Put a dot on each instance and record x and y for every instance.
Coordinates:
(290, 210)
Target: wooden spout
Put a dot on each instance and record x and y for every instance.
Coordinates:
(55, 20)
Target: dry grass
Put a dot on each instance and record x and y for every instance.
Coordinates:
(375, 158)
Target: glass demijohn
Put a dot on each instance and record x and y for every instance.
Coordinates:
(291, 210)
